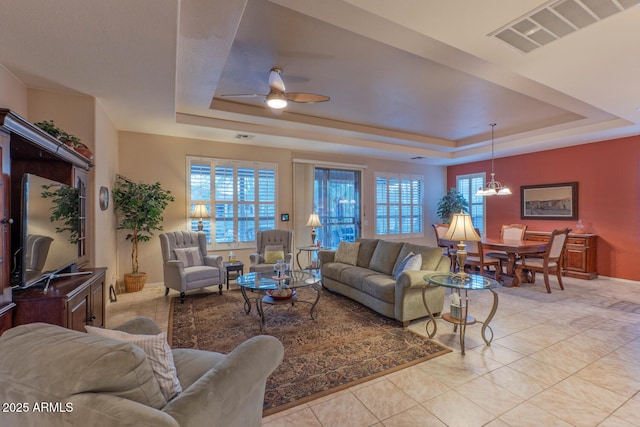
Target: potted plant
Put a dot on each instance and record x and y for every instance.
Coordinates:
(139, 207)
(452, 202)
(66, 138)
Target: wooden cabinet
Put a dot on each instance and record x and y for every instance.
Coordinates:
(6, 304)
(71, 302)
(580, 255)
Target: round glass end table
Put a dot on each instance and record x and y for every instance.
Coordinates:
(460, 317)
(264, 283)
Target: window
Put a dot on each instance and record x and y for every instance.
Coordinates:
(467, 185)
(337, 202)
(240, 196)
(399, 201)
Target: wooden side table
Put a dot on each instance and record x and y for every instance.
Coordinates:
(235, 267)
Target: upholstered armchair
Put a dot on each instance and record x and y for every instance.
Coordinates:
(271, 245)
(186, 265)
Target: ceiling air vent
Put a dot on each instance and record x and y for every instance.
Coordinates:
(244, 136)
(557, 19)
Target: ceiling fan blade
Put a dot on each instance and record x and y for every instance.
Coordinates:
(306, 97)
(275, 79)
(244, 95)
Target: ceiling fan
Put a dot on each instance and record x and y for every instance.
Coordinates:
(278, 98)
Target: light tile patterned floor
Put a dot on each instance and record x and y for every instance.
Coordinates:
(569, 358)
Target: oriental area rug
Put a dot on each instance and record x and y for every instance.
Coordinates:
(347, 343)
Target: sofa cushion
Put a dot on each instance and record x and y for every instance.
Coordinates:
(158, 353)
(380, 286)
(347, 253)
(384, 256)
(97, 364)
(430, 256)
(333, 270)
(355, 275)
(192, 364)
(367, 246)
(189, 256)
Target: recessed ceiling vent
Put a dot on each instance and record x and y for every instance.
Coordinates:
(417, 158)
(244, 136)
(556, 19)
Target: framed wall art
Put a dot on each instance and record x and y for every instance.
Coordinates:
(549, 201)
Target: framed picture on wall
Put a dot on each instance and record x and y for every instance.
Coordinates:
(549, 201)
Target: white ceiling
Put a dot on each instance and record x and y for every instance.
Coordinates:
(406, 78)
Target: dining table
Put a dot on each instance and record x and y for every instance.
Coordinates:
(513, 249)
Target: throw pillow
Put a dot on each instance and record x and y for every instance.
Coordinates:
(190, 257)
(272, 253)
(158, 353)
(412, 262)
(347, 253)
(400, 267)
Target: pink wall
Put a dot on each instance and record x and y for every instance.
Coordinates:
(608, 176)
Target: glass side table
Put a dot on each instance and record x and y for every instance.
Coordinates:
(312, 260)
(472, 282)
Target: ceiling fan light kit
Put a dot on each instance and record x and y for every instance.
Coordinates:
(493, 187)
(278, 98)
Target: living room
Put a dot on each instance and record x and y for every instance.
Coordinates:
(605, 165)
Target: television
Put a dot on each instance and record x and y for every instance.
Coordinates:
(50, 225)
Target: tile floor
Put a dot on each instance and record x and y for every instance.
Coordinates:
(569, 358)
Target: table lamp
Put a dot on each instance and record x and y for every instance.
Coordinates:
(462, 229)
(200, 211)
(314, 221)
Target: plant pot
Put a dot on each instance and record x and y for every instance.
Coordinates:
(85, 152)
(134, 282)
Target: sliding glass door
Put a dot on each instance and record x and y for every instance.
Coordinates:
(337, 203)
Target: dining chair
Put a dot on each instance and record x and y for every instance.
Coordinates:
(448, 249)
(508, 232)
(547, 262)
(478, 261)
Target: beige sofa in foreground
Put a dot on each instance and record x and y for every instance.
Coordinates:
(90, 380)
(370, 280)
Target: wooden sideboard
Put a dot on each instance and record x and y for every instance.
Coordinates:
(71, 302)
(580, 255)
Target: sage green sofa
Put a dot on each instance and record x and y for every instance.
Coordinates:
(90, 380)
(370, 281)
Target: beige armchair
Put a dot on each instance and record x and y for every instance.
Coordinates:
(271, 241)
(98, 381)
(186, 265)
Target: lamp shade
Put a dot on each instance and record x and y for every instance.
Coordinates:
(200, 211)
(314, 221)
(461, 228)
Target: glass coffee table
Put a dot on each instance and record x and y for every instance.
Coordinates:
(273, 290)
(471, 282)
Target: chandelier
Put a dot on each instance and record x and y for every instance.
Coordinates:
(493, 187)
